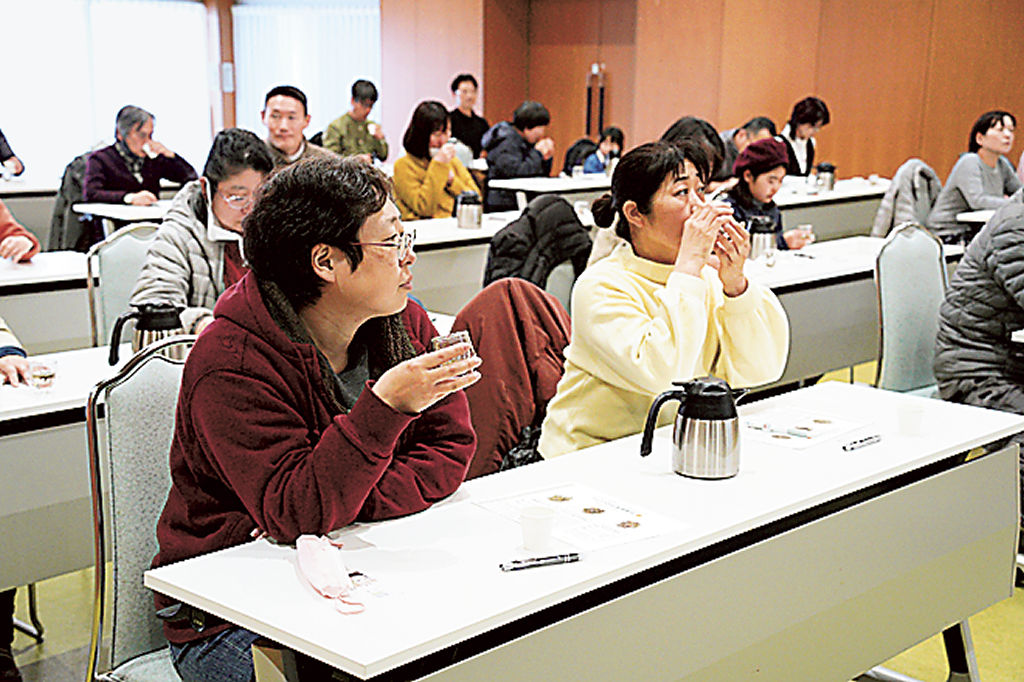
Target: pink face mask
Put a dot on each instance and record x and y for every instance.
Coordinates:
(321, 565)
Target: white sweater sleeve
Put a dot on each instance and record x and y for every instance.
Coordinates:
(753, 333)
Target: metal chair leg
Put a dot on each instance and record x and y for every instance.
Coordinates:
(35, 630)
(963, 666)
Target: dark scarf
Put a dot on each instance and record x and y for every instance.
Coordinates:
(392, 345)
(133, 162)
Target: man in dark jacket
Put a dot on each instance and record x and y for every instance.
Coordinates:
(521, 150)
(977, 361)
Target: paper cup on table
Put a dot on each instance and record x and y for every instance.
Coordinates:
(537, 524)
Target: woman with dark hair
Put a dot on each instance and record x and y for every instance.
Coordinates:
(310, 401)
(982, 178)
(429, 177)
(670, 303)
(196, 254)
(760, 169)
(808, 117)
(693, 128)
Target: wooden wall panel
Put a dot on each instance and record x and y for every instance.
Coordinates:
(974, 65)
(419, 61)
(506, 57)
(678, 64)
(768, 63)
(871, 72)
(564, 37)
(617, 50)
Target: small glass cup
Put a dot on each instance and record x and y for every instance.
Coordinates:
(41, 374)
(577, 171)
(439, 342)
(808, 231)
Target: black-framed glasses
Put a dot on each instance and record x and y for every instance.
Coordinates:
(403, 242)
(236, 201)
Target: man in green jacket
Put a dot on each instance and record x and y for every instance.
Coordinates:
(353, 134)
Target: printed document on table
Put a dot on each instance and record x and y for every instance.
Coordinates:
(794, 428)
(585, 518)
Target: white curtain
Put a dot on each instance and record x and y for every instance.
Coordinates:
(319, 47)
(69, 65)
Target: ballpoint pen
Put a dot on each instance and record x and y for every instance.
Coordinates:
(520, 564)
(862, 442)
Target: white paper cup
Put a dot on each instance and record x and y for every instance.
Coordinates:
(910, 419)
(537, 523)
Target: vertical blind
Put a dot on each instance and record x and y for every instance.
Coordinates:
(319, 47)
(69, 65)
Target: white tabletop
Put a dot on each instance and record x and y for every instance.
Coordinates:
(27, 184)
(440, 570)
(49, 266)
(127, 212)
(441, 232)
(823, 261)
(975, 217)
(561, 184)
(76, 372)
(795, 192)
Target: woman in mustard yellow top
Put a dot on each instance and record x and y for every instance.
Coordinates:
(429, 177)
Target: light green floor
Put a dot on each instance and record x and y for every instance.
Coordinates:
(65, 605)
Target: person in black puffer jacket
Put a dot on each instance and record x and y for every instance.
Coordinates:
(520, 150)
(975, 360)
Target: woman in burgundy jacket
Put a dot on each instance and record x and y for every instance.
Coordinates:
(310, 400)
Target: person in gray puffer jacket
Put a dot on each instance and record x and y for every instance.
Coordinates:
(196, 254)
(975, 360)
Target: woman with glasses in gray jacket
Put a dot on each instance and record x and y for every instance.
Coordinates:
(197, 251)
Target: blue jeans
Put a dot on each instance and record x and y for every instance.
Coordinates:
(224, 657)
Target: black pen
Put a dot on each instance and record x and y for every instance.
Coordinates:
(803, 255)
(862, 442)
(520, 564)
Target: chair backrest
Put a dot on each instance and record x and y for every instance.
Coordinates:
(130, 479)
(116, 261)
(910, 279)
(559, 283)
(910, 197)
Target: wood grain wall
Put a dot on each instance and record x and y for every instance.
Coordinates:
(425, 43)
(902, 78)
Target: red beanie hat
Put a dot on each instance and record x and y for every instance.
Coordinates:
(761, 157)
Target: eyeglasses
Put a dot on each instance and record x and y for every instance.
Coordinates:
(236, 200)
(403, 242)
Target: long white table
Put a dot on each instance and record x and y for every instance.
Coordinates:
(45, 301)
(30, 199)
(811, 564)
(846, 210)
(124, 212)
(45, 507)
(450, 261)
(831, 301)
(975, 217)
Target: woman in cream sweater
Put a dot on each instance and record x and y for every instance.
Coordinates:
(429, 177)
(670, 303)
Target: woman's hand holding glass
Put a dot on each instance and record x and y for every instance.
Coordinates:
(700, 233)
(731, 250)
(416, 384)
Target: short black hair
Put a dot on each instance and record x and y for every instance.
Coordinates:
(317, 201)
(288, 91)
(364, 91)
(985, 123)
(233, 151)
(530, 114)
(759, 123)
(427, 118)
(693, 128)
(808, 110)
(464, 78)
(640, 173)
(614, 134)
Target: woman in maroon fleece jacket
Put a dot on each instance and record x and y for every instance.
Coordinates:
(309, 401)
